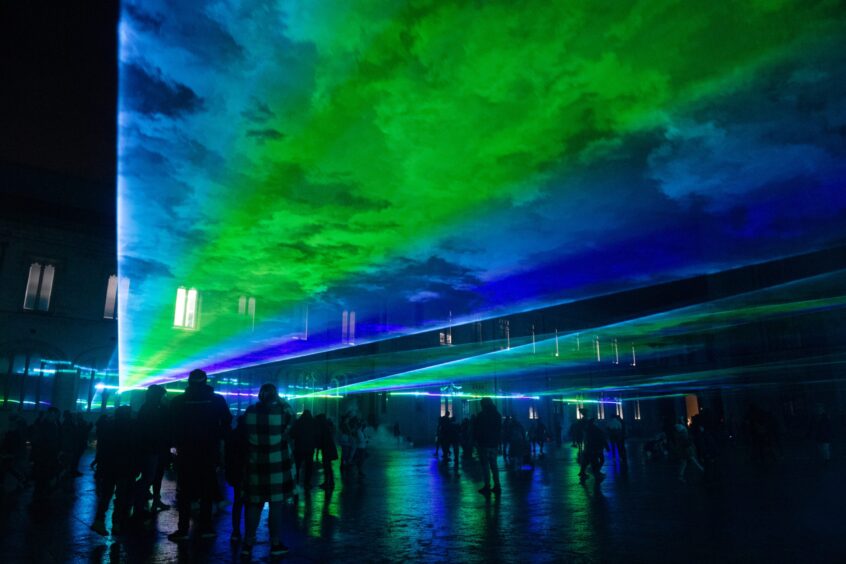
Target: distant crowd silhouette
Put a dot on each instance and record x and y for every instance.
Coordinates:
(269, 456)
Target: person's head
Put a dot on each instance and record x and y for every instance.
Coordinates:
(446, 414)
(306, 415)
(53, 414)
(487, 403)
(123, 413)
(268, 394)
(154, 394)
(197, 377)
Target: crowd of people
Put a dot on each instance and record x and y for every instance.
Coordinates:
(517, 445)
(267, 458)
(695, 445)
(490, 435)
(270, 454)
(57, 442)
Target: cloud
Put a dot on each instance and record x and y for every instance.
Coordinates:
(138, 269)
(144, 20)
(150, 93)
(266, 134)
(423, 296)
(207, 38)
(784, 127)
(723, 163)
(435, 281)
(199, 28)
(257, 111)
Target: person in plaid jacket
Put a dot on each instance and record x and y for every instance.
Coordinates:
(269, 464)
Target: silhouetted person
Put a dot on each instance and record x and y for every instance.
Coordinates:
(83, 430)
(361, 448)
(329, 453)
(685, 449)
(348, 428)
(557, 429)
(466, 432)
(443, 435)
(707, 445)
(488, 436)
(152, 445)
(269, 476)
(507, 433)
(519, 449)
(593, 455)
(453, 437)
(13, 452)
(114, 464)
(395, 430)
(540, 434)
(820, 432)
(200, 421)
(46, 443)
(304, 436)
(69, 445)
(617, 437)
(577, 438)
(235, 467)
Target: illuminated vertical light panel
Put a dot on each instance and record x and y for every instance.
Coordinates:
(109, 309)
(32, 283)
(429, 163)
(191, 309)
(46, 290)
(179, 310)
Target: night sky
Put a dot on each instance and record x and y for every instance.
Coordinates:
(445, 158)
(463, 160)
(59, 76)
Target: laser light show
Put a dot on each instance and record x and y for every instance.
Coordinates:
(303, 177)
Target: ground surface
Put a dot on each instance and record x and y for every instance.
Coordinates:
(410, 507)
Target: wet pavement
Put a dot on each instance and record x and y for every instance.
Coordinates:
(411, 507)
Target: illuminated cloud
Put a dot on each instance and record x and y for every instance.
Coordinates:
(409, 162)
(148, 92)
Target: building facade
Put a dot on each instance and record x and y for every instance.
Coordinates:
(58, 302)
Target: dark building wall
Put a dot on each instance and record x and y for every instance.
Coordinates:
(73, 329)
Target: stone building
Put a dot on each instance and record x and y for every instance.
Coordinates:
(58, 293)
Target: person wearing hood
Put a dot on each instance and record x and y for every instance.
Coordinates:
(200, 420)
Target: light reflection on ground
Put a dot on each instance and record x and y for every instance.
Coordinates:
(412, 507)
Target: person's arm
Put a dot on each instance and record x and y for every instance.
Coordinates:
(170, 423)
(226, 418)
(287, 423)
